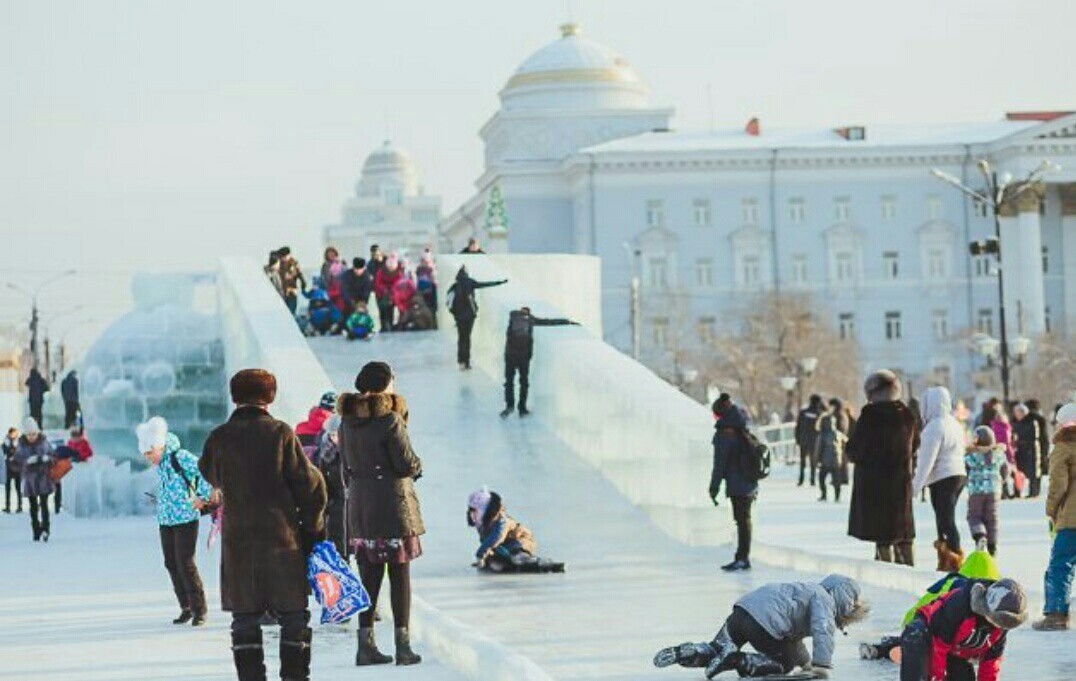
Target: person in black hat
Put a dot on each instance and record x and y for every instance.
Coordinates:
(518, 350)
(356, 285)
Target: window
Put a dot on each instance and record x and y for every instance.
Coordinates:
(751, 268)
(1045, 260)
(844, 268)
(707, 329)
(423, 216)
(981, 265)
(704, 272)
(702, 213)
(655, 213)
(889, 207)
(986, 321)
(891, 264)
(937, 268)
(797, 210)
(661, 332)
(842, 209)
(893, 329)
(846, 325)
(935, 208)
(940, 319)
(799, 268)
(659, 272)
(981, 209)
(749, 210)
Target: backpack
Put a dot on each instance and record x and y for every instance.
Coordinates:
(519, 327)
(756, 455)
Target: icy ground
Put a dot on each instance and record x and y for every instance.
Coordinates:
(629, 588)
(95, 604)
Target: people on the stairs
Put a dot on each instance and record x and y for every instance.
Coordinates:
(774, 620)
(505, 545)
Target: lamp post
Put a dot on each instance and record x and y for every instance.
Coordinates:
(990, 349)
(634, 300)
(788, 384)
(995, 196)
(34, 319)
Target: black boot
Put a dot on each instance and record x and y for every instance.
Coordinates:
(507, 412)
(404, 654)
(753, 665)
(184, 616)
(295, 657)
(368, 653)
(249, 655)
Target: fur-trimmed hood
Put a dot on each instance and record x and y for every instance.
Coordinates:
(371, 405)
(1067, 435)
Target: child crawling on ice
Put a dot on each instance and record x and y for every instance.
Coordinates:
(505, 545)
(774, 620)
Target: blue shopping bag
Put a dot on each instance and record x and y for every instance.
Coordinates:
(337, 588)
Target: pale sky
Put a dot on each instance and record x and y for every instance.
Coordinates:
(148, 135)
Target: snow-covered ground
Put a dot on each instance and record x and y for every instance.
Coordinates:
(629, 588)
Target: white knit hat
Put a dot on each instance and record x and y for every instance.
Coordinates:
(1066, 415)
(29, 426)
(151, 434)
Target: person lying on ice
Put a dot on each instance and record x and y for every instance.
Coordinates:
(775, 619)
(979, 565)
(968, 624)
(506, 546)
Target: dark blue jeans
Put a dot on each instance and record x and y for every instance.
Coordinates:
(1060, 571)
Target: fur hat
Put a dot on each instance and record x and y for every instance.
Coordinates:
(29, 426)
(1066, 415)
(1003, 603)
(374, 378)
(151, 434)
(253, 386)
(882, 386)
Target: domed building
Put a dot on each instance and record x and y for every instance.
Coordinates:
(388, 208)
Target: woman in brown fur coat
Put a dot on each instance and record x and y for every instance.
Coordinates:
(384, 520)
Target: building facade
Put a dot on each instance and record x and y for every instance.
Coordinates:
(850, 215)
(389, 208)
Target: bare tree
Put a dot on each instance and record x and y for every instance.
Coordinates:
(1051, 373)
(776, 332)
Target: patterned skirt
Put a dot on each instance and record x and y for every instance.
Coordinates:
(394, 551)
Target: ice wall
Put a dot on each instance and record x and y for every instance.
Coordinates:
(258, 331)
(648, 438)
(104, 487)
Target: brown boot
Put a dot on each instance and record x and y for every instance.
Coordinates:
(1052, 621)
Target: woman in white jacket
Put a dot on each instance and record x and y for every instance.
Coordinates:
(940, 468)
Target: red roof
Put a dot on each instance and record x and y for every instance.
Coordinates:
(1043, 116)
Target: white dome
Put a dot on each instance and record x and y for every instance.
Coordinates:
(574, 73)
(387, 167)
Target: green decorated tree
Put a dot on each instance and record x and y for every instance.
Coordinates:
(496, 217)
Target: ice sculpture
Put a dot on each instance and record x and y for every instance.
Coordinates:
(163, 358)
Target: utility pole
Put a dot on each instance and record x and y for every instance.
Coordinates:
(634, 301)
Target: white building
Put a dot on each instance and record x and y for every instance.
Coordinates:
(389, 208)
(850, 214)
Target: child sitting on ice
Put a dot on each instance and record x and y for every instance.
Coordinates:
(986, 464)
(775, 619)
(323, 315)
(506, 546)
(965, 626)
(360, 324)
(978, 565)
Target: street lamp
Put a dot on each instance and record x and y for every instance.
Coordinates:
(788, 384)
(33, 308)
(996, 194)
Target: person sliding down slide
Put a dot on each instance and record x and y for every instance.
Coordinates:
(506, 546)
(775, 619)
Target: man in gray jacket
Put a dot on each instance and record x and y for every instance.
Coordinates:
(774, 620)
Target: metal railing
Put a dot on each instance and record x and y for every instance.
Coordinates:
(782, 441)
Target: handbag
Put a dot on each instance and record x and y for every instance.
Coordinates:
(59, 469)
(210, 505)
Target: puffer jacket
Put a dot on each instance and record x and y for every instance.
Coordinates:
(730, 448)
(942, 444)
(315, 419)
(984, 466)
(796, 610)
(174, 501)
(35, 459)
(498, 528)
(1061, 497)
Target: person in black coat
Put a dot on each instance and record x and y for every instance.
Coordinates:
(356, 285)
(807, 435)
(881, 447)
(1034, 408)
(730, 467)
(464, 309)
(518, 350)
(36, 387)
(69, 392)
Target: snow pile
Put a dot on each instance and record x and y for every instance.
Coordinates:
(103, 487)
(648, 438)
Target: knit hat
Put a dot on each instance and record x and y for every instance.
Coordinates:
(984, 436)
(1066, 415)
(477, 504)
(328, 400)
(253, 386)
(374, 378)
(151, 434)
(980, 565)
(1003, 603)
(29, 426)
